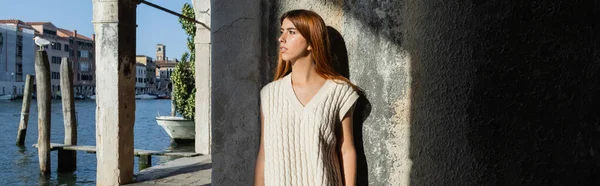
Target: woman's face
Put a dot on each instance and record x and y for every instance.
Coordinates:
(292, 45)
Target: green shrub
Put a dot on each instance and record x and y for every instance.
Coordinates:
(185, 88)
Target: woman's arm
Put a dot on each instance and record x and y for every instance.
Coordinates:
(259, 170)
(347, 150)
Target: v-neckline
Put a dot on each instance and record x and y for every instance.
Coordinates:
(294, 98)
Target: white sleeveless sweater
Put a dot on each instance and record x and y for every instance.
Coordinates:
(300, 144)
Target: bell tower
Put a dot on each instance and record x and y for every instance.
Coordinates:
(161, 52)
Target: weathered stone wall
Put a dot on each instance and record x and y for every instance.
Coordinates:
(235, 71)
(454, 93)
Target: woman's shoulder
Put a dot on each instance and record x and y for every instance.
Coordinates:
(342, 85)
(271, 85)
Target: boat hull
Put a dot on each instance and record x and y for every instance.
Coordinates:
(178, 128)
(146, 96)
(7, 97)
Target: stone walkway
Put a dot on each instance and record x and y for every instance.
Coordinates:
(194, 171)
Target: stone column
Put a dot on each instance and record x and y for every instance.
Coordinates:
(236, 76)
(203, 80)
(114, 24)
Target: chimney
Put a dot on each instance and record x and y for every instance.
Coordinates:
(75, 33)
(93, 37)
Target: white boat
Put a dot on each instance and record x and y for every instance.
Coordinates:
(7, 97)
(93, 97)
(178, 128)
(145, 96)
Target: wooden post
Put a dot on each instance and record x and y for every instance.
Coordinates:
(25, 111)
(67, 160)
(42, 77)
(144, 162)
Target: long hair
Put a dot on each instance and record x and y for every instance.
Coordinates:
(312, 27)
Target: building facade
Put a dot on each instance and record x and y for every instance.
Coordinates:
(140, 79)
(16, 55)
(151, 85)
(78, 49)
(163, 76)
(81, 53)
(164, 69)
(56, 51)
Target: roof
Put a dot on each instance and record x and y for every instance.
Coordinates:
(165, 64)
(36, 23)
(20, 24)
(11, 21)
(67, 33)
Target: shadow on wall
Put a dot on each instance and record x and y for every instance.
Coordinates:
(503, 93)
(363, 106)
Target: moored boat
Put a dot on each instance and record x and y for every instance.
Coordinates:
(145, 96)
(7, 97)
(178, 128)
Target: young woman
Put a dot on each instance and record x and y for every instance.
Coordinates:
(306, 112)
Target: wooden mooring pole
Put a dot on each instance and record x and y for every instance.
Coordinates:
(42, 77)
(144, 162)
(25, 111)
(67, 160)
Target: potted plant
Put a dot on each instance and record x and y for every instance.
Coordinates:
(184, 88)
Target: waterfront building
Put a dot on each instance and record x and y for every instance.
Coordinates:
(56, 51)
(150, 64)
(16, 55)
(140, 79)
(81, 51)
(164, 69)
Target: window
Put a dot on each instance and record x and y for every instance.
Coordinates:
(87, 77)
(55, 75)
(20, 51)
(56, 46)
(84, 66)
(51, 32)
(66, 48)
(56, 60)
(84, 54)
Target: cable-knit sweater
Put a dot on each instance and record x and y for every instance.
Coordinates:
(300, 144)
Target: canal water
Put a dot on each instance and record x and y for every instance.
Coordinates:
(19, 166)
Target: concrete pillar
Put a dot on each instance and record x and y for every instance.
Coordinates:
(235, 89)
(203, 80)
(114, 24)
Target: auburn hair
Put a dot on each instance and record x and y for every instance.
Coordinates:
(312, 27)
